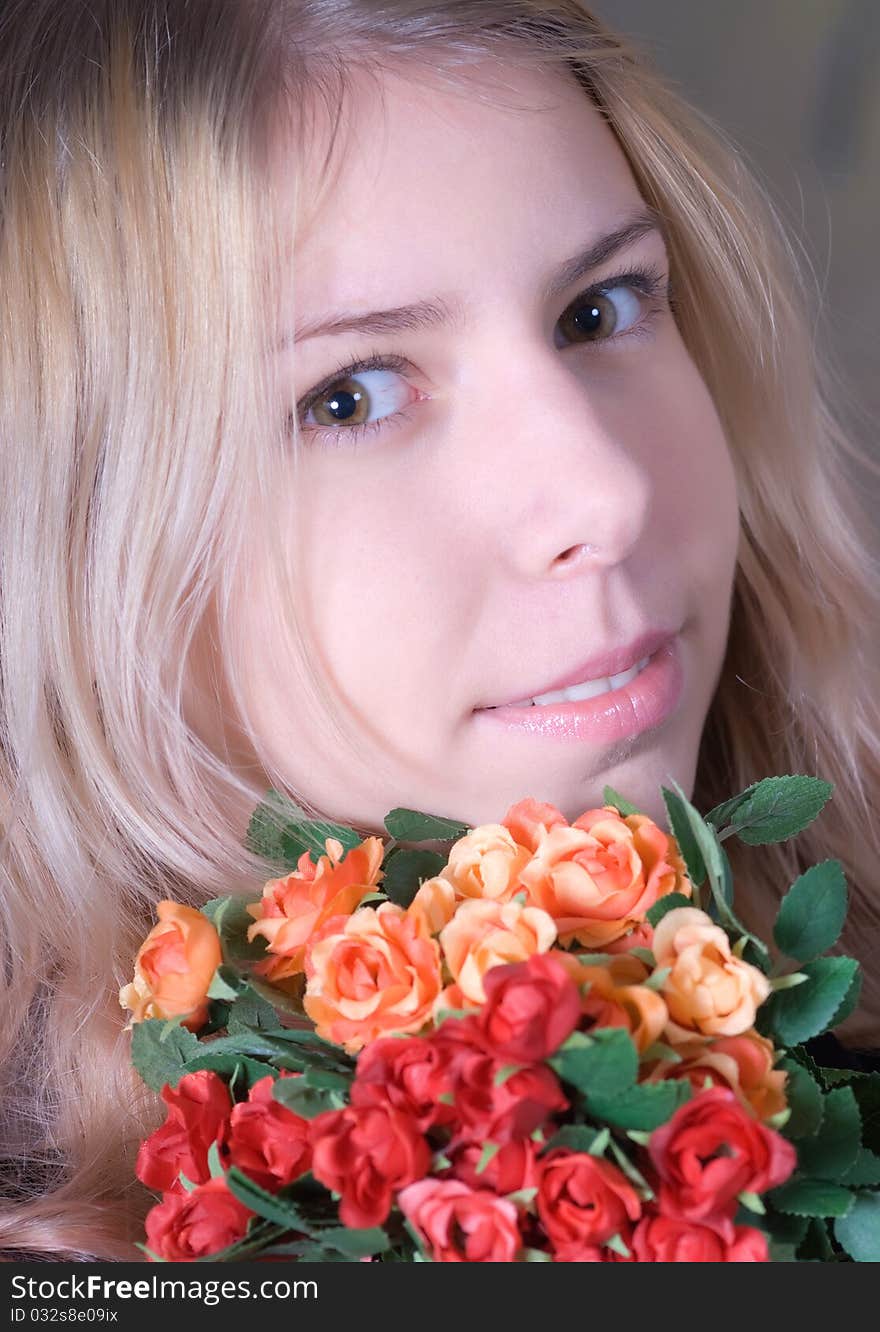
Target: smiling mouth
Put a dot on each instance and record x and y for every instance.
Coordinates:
(577, 693)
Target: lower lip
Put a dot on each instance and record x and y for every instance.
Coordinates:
(639, 706)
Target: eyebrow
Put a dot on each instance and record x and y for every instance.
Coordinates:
(439, 310)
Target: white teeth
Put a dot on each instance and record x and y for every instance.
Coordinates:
(589, 689)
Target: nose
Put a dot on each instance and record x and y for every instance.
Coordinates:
(568, 462)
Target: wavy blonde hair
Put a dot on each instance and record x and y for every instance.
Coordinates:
(140, 453)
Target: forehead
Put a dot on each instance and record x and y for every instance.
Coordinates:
(430, 185)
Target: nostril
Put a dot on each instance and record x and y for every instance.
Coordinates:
(576, 553)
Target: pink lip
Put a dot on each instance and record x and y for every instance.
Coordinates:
(608, 663)
(639, 706)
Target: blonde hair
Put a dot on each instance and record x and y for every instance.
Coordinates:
(139, 456)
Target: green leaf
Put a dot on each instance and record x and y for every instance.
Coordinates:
(231, 920)
(305, 1101)
(717, 869)
(811, 1197)
(805, 1101)
(859, 1231)
(785, 1229)
(604, 1067)
(682, 831)
(251, 1010)
(215, 1165)
(490, 1149)
(864, 1172)
(280, 831)
(405, 872)
(812, 912)
(574, 1137)
(850, 999)
(643, 1107)
(535, 1256)
(815, 1247)
(779, 808)
(160, 1052)
(225, 983)
(229, 1066)
(671, 902)
(283, 1211)
(799, 1014)
(611, 797)
(722, 814)
(866, 1088)
(326, 1080)
(618, 1246)
(634, 1175)
(354, 1243)
(410, 825)
(835, 1147)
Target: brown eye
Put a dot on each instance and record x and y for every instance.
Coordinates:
(601, 315)
(345, 403)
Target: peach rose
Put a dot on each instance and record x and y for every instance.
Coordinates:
(433, 905)
(485, 934)
(708, 990)
(743, 1063)
(293, 908)
(486, 862)
(174, 967)
(599, 876)
(530, 820)
(614, 995)
(370, 974)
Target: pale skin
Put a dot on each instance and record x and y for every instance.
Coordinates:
(547, 495)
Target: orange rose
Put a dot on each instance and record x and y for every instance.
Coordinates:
(708, 990)
(599, 876)
(743, 1063)
(293, 908)
(489, 934)
(530, 820)
(371, 974)
(174, 967)
(486, 862)
(433, 905)
(614, 995)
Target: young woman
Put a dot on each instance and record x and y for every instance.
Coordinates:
(366, 369)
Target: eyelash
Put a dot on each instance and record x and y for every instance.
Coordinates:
(649, 281)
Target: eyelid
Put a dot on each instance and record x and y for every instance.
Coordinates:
(647, 278)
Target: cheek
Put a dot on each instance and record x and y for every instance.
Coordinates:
(378, 586)
(696, 485)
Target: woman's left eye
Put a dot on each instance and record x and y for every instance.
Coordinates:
(370, 394)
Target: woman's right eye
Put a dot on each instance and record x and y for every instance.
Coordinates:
(361, 397)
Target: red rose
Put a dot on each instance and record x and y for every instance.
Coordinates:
(513, 1167)
(583, 1201)
(266, 1140)
(530, 1008)
(486, 1109)
(367, 1153)
(668, 1239)
(462, 1225)
(184, 1226)
(710, 1151)
(409, 1075)
(198, 1111)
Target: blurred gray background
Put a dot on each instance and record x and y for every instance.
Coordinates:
(796, 83)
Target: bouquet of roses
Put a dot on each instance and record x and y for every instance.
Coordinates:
(555, 1042)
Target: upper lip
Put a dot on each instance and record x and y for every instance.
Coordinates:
(611, 662)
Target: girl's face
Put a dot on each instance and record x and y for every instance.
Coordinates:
(521, 474)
